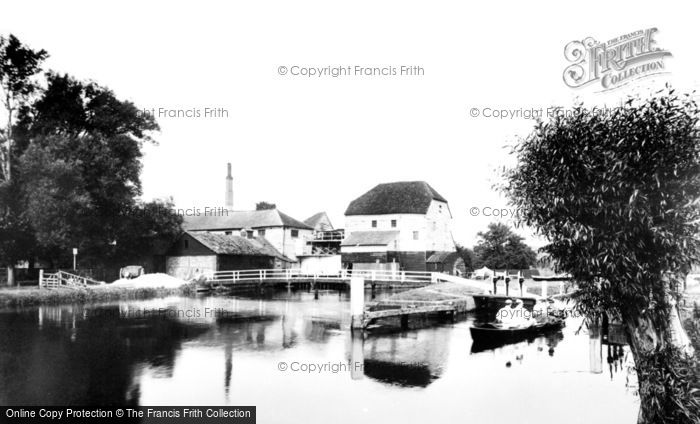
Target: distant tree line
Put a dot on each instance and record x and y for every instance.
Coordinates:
(70, 175)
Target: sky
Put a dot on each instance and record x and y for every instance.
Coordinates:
(314, 143)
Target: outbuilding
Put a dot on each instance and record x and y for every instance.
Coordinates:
(201, 252)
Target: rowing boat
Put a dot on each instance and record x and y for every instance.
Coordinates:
(498, 332)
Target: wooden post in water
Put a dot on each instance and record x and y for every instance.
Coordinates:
(520, 281)
(357, 301)
(41, 278)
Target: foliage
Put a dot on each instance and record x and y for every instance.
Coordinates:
(467, 255)
(18, 66)
(617, 196)
(501, 248)
(673, 394)
(261, 206)
(77, 149)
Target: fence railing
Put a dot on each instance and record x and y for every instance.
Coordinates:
(64, 279)
(260, 275)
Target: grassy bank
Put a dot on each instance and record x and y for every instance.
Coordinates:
(37, 296)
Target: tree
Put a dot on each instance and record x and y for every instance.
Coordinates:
(80, 169)
(617, 196)
(18, 65)
(261, 206)
(467, 255)
(501, 248)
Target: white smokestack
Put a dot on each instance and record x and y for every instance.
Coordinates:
(229, 189)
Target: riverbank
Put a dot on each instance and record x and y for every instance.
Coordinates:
(39, 296)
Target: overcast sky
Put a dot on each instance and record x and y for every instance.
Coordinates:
(313, 144)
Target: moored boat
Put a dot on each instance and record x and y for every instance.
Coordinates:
(491, 332)
(494, 302)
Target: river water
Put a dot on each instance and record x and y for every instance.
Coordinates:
(293, 357)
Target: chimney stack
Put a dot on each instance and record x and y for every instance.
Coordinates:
(229, 189)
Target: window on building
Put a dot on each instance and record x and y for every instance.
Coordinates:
(393, 223)
(250, 233)
(374, 223)
(415, 235)
(295, 233)
(228, 233)
(187, 244)
(261, 233)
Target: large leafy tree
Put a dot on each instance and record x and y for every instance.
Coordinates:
(617, 197)
(501, 248)
(19, 65)
(80, 174)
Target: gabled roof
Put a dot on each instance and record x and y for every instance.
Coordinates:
(315, 219)
(223, 244)
(238, 220)
(370, 238)
(413, 197)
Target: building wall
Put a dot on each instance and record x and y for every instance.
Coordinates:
(239, 262)
(185, 267)
(434, 228)
(363, 257)
(188, 246)
(409, 261)
(320, 264)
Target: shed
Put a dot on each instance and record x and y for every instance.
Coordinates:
(202, 252)
(447, 262)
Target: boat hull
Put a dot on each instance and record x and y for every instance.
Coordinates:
(490, 333)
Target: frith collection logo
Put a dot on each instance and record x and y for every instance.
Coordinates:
(615, 62)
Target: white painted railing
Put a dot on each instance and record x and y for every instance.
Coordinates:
(64, 279)
(260, 275)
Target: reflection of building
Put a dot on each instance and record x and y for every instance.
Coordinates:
(203, 252)
(396, 226)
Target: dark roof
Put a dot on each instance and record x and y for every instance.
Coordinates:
(401, 197)
(370, 238)
(223, 244)
(238, 220)
(442, 257)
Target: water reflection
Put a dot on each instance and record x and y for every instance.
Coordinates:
(220, 350)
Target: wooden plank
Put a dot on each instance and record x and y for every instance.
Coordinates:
(369, 315)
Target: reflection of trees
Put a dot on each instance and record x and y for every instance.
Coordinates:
(78, 361)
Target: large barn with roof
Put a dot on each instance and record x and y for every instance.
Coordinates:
(396, 226)
(285, 233)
